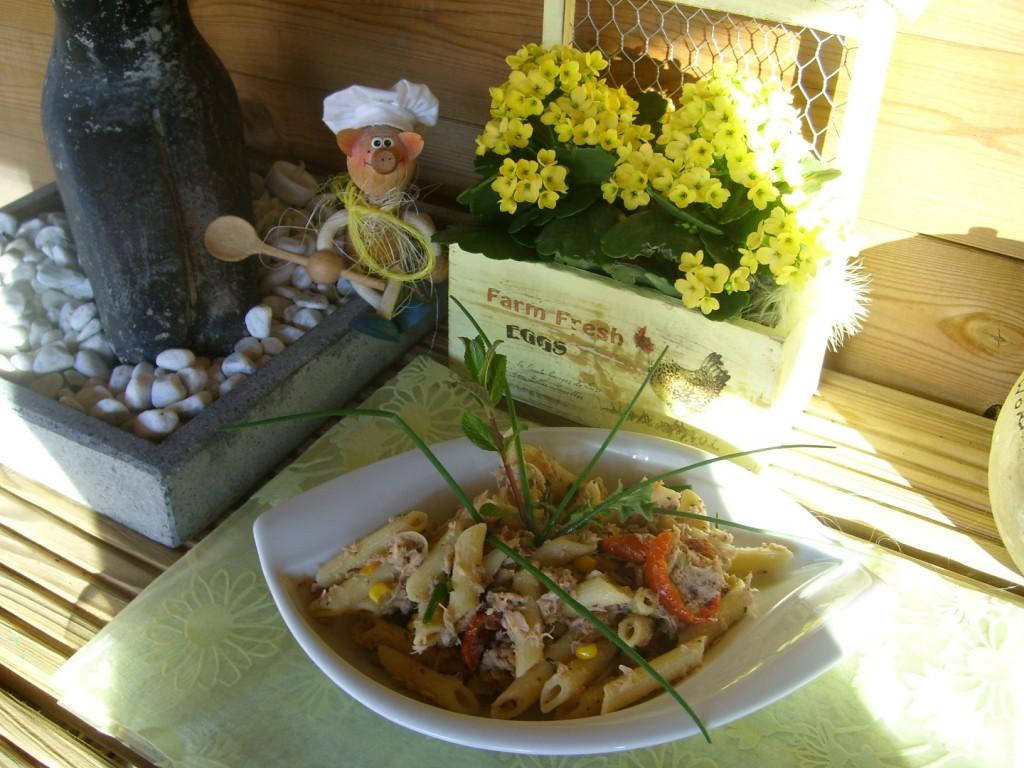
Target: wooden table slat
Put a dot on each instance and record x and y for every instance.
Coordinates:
(11, 756)
(37, 736)
(58, 619)
(89, 521)
(65, 580)
(28, 657)
(92, 554)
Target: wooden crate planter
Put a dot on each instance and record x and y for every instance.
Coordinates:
(579, 344)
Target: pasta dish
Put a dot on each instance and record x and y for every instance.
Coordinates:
(455, 621)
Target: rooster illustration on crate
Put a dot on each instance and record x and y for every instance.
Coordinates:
(688, 389)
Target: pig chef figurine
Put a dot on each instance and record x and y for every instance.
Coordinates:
(379, 132)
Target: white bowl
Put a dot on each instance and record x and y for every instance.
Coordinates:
(782, 645)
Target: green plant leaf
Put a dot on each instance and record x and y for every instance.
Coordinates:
(487, 164)
(474, 356)
(491, 241)
(590, 165)
(730, 305)
(814, 181)
(645, 232)
(479, 432)
(576, 200)
(578, 237)
(685, 216)
(524, 217)
(629, 274)
(660, 284)
(737, 206)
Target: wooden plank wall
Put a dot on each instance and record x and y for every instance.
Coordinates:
(941, 215)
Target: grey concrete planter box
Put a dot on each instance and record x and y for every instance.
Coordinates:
(172, 490)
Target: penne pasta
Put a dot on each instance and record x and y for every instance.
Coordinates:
(636, 684)
(353, 594)
(635, 630)
(445, 690)
(570, 679)
(598, 592)
(372, 632)
(421, 581)
(523, 692)
(562, 550)
(467, 576)
(371, 545)
(766, 559)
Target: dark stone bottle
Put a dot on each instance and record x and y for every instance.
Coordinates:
(144, 131)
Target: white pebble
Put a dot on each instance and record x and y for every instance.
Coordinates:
(257, 321)
(23, 273)
(249, 346)
(51, 337)
(138, 394)
(301, 279)
(307, 319)
(48, 385)
(36, 332)
(155, 424)
(167, 389)
(230, 383)
(50, 235)
(90, 363)
(144, 367)
(81, 315)
(8, 263)
(192, 405)
(98, 344)
(8, 224)
(29, 228)
(236, 362)
(6, 366)
(22, 361)
(89, 396)
(175, 359)
(52, 358)
(60, 278)
(273, 346)
(62, 255)
(111, 411)
(13, 337)
(119, 378)
(13, 302)
(91, 328)
(287, 333)
(52, 300)
(194, 379)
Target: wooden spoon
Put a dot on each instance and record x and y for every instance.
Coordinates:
(231, 238)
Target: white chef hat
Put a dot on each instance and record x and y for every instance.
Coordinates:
(407, 106)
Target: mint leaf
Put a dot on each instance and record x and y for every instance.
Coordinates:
(479, 432)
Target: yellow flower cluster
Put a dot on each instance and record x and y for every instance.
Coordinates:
(563, 88)
(700, 283)
(540, 181)
(788, 245)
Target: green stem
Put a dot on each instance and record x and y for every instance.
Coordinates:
(402, 424)
(476, 325)
(601, 627)
(615, 498)
(582, 476)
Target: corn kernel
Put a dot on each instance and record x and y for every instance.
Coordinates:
(586, 651)
(379, 591)
(585, 563)
(369, 568)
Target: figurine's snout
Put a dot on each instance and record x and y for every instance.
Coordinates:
(383, 160)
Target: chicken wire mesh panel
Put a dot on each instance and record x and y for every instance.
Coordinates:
(662, 45)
